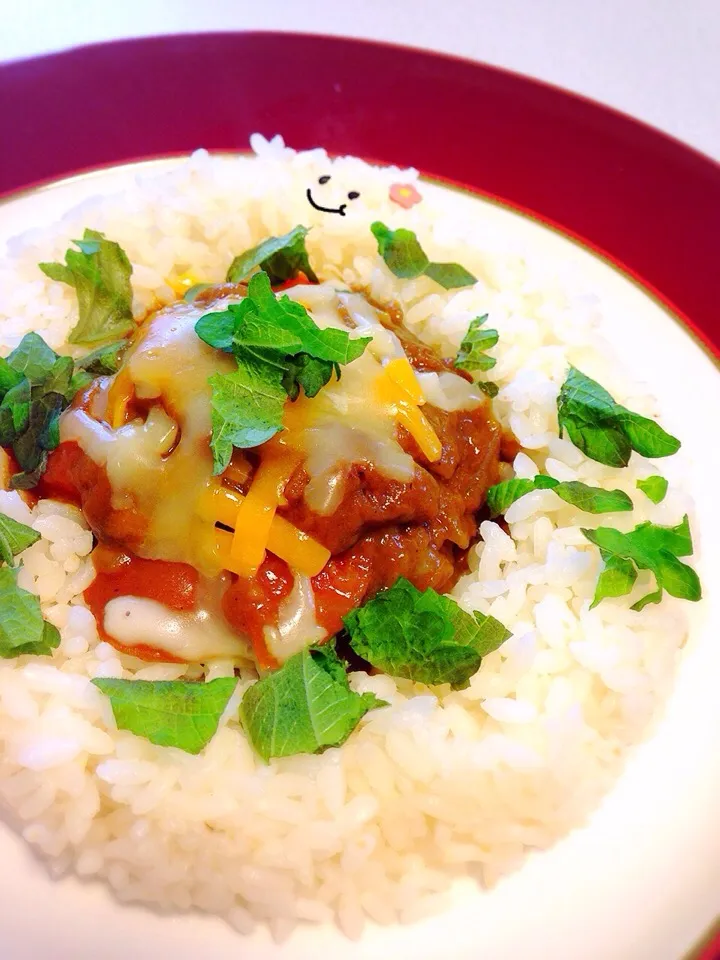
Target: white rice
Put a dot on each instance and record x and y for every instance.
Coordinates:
(440, 784)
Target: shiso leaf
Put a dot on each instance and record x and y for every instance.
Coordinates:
(22, 628)
(304, 707)
(649, 547)
(405, 258)
(654, 488)
(14, 538)
(171, 713)
(422, 635)
(100, 273)
(279, 350)
(281, 258)
(604, 430)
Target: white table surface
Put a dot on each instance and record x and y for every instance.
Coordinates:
(658, 60)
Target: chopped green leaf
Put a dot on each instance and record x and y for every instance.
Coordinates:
(246, 409)
(100, 273)
(14, 538)
(422, 635)
(654, 488)
(502, 495)
(104, 361)
(450, 275)
(592, 499)
(651, 547)
(33, 359)
(401, 251)
(281, 258)
(604, 430)
(304, 707)
(471, 355)
(36, 385)
(654, 597)
(22, 628)
(279, 350)
(171, 713)
(405, 258)
(616, 579)
(580, 495)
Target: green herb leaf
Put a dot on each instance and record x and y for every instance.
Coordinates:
(656, 548)
(22, 628)
(450, 275)
(616, 579)
(279, 350)
(106, 360)
(32, 359)
(35, 387)
(654, 597)
(100, 273)
(246, 409)
(654, 488)
(471, 355)
(502, 495)
(401, 251)
(422, 635)
(405, 258)
(14, 538)
(304, 707)
(580, 495)
(171, 713)
(281, 258)
(592, 499)
(604, 430)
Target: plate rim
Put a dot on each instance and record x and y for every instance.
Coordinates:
(707, 946)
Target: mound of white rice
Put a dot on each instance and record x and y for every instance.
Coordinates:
(440, 784)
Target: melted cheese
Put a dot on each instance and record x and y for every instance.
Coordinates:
(256, 512)
(297, 627)
(160, 466)
(195, 636)
(163, 466)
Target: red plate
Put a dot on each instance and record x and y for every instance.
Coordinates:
(646, 201)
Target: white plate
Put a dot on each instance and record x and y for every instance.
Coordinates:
(640, 882)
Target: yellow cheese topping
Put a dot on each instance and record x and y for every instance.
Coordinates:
(220, 505)
(120, 393)
(398, 388)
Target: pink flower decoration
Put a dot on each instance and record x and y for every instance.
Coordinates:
(404, 194)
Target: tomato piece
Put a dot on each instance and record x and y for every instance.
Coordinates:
(120, 574)
(339, 588)
(58, 480)
(252, 603)
(299, 280)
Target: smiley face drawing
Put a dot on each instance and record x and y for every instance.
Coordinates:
(353, 195)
